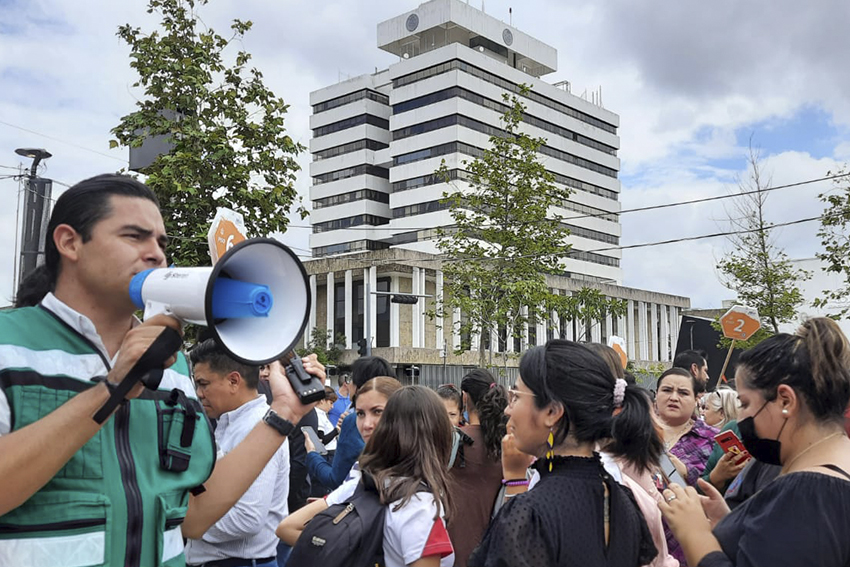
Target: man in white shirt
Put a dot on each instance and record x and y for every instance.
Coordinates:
(244, 536)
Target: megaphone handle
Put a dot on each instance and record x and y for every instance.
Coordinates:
(165, 345)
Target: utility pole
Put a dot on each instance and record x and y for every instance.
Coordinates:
(36, 214)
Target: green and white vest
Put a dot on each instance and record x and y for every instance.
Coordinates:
(121, 498)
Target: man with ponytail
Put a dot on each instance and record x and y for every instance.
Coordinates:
(81, 487)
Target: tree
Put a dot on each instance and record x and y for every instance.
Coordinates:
(588, 305)
(835, 239)
(757, 270)
(327, 351)
(225, 128)
(506, 237)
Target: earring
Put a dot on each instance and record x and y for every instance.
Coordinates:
(784, 411)
(550, 454)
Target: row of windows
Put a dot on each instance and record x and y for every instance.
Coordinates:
(363, 169)
(361, 195)
(504, 84)
(595, 258)
(425, 180)
(349, 98)
(434, 151)
(347, 222)
(348, 148)
(351, 123)
(460, 147)
(356, 246)
(588, 210)
(458, 92)
(419, 209)
(592, 234)
(458, 120)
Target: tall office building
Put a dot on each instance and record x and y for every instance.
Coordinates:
(378, 138)
(377, 141)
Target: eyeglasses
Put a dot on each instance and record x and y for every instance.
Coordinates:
(513, 396)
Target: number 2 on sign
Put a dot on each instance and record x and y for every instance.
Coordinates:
(739, 328)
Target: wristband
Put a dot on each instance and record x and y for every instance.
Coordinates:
(279, 424)
(515, 482)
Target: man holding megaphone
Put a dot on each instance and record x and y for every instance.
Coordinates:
(86, 481)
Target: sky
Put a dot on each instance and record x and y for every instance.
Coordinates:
(694, 83)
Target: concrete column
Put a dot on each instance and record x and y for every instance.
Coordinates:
(311, 324)
(414, 318)
(349, 318)
(609, 328)
(631, 343)
(373, 304)
(394, 320)
(439, 334)
(524, 341)
(456, 328)
(642, 337)
(423, 306)
(663, 333)
(653, 332)
(674, 328)
(542, 327)
(555, 319)
(621, 327)
(596, 331)
(365, 299)
(509, 338)
(330, 307)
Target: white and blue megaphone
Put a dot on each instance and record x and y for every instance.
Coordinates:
(255, 300)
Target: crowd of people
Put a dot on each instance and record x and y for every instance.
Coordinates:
(221, 465)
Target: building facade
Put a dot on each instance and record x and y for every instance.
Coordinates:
(378, 140)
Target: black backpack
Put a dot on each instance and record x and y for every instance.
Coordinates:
(347, 534)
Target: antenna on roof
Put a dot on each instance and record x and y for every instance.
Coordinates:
(510, 16)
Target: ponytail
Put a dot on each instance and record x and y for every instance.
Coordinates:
(488, 400)
(35, 286)
(634, 437)
(491, 414)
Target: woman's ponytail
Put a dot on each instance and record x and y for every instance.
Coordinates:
(633, 432)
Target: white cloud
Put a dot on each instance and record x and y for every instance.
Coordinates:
(686, 79)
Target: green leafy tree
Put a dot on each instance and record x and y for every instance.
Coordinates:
(588, 305)
(225, 128)
(835, 239)
(505, 238)
(757, 269)
(327, 351)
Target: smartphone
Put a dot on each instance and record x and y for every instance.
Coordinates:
(730, 443)
(309, 388)
(314, 439)
(669, 472)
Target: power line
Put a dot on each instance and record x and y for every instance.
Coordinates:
(61, 141)
(634, 210)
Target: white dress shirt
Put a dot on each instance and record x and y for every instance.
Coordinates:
(247, 530)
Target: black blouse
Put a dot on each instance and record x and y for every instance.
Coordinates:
(561, 523)
(799, 519)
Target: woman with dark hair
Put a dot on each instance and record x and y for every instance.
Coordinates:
(565, 402)
(477, 475)
(408, 451)
(794, 390)
(452, 400)
(637, 464)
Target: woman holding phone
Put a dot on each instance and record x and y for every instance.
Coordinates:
(794, 390)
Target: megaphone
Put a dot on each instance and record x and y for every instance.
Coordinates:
(255, 300)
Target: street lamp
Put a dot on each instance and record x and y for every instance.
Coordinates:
(36, 213)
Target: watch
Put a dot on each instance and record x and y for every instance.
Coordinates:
(282, 426)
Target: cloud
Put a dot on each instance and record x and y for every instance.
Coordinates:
(691, 81)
